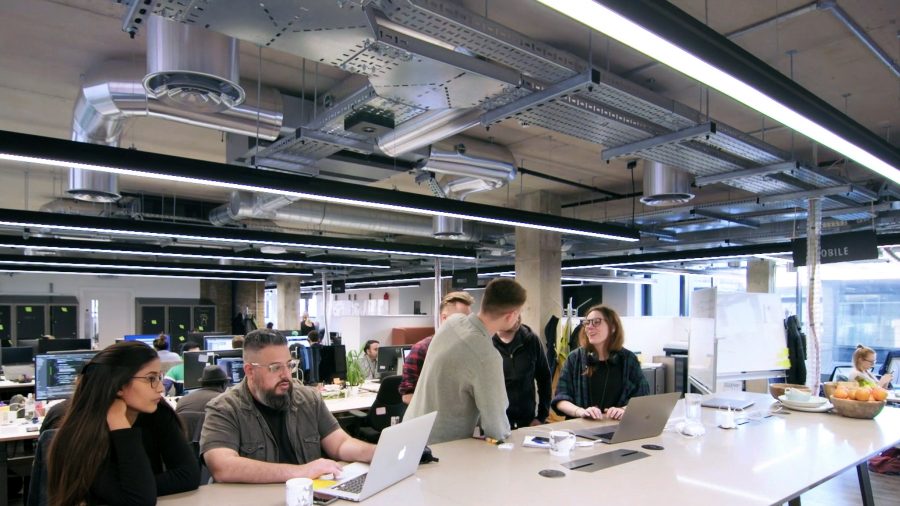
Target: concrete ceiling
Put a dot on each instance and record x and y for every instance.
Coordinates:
(46, 46)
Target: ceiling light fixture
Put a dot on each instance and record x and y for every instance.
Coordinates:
(85, 245)
(85, 271)
(48, 151)
(610, 279)
(134, 228)
(105, 264)
(724, 253)
(666, 34)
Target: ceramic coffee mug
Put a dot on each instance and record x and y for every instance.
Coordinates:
(298, 492)
(561, 442)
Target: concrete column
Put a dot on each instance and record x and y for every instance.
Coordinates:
(760, 276)
(538, 261)
(288, 302)
(249, 295)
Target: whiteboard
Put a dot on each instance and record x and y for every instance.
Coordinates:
(750, 334)
(702, 352)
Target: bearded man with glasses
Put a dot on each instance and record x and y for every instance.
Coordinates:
(270, 428)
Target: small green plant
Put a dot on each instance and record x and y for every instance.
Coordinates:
(354, 372)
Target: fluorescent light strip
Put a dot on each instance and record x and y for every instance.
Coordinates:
(610, 23)
(309, 196)
(387, 281)
(132, 275)
(649, 262)
(370, 288)
(627, 281)
(188, 255)
(27, 261)
(135, 233)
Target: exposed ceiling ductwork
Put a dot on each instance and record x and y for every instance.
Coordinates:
(114, 92)
(665, 185)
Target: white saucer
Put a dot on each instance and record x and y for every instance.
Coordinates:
(813, 402)
(817, 409)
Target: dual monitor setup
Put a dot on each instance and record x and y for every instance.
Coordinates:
(213, 341)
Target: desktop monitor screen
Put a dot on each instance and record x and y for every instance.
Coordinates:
(17, 355)
(390, 358)
(233, 367)
(194, 363)
(894, 369)
(239, 353)
(332, 363)
(54, 375)
(146, 339)
(217, 343)
(48, 345)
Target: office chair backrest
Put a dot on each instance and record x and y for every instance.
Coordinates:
(37, 489)
(388, 404)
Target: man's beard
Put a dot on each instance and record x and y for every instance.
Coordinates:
(276, 401)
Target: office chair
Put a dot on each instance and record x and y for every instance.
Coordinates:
(193, 424)
(388, 406)
(37, 489)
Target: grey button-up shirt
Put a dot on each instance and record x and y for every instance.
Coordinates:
(233, 421)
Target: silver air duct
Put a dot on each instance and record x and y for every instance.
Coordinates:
(114, 93)
(470, 167)
(191, 68)
(665, 185)
(427, 128)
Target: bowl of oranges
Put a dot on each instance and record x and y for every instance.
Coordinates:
(858, 402)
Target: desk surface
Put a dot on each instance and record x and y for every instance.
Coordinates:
(762, 462)
(18, 431)
(14, 385)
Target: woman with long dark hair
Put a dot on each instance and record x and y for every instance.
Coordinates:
(120, 442)
(601, 375)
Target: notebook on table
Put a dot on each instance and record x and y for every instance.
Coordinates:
(644, 417)
(396, 457)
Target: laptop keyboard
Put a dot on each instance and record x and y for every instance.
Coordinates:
(353, 486)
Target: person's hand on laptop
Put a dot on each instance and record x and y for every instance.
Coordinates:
(615, 413)
(592, 413)
(319, 467)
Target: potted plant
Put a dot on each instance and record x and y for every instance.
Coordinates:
(354, 372)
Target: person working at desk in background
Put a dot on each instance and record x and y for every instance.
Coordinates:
(168, 359)
(237, 342)
(524, 365)
(368, 361)
(452, 303)
(863, 361)
(175, 375)
(313, 338)
(120, 442)
(212, 383)
(270, 325)
(270, 428)
(601, 375)
(463, 377)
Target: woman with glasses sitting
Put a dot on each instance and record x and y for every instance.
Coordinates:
(120, 442)
(863, 361)
(600, 376)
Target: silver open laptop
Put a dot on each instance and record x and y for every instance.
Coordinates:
(646, 416)
(396, 457)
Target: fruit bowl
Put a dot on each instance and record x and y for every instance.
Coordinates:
(777, 389)
(830, 386)
(857, 409)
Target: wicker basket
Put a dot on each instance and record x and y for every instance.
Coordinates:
(857, 409)
(777, 389)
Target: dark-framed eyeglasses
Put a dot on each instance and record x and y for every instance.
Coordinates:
(592, 322)
(153, 379)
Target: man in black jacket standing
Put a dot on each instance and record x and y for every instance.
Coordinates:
(524, 366)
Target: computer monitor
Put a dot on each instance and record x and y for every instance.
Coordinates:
(332, 363)
(32, 343)
(233, 367)
(17, 355)
(301, 340)
(146, 339)
(48, 345)
(390, 360)
(894, 369)
(217, 343)
(194, 363)
(55, 374)
(229, 353)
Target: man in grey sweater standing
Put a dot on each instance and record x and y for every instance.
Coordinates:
(463, 377)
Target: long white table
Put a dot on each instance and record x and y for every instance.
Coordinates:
(17, 431)
(770, 461)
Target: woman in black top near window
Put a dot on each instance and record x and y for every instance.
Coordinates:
(601, 375)
(120, 442)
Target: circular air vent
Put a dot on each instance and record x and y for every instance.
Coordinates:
(194, 91)
(665, 185)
